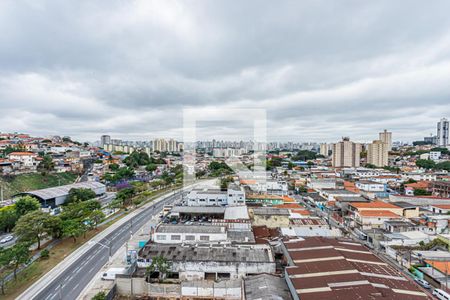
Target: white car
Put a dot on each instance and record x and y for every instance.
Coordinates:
(6, 239)
(423, 283)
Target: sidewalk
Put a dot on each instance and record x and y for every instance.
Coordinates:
(118, 260)
(69, 260)
(58, 269)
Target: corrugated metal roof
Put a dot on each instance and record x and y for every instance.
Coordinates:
(60, 191)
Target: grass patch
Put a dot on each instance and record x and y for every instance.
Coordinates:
(38, 268)
(34, 181)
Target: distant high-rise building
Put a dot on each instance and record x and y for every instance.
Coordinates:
(172, 145)
(386, 137)
(105, 140)
(442, 132)
(324, 149)
(160, 145)
(432, 139)
(346, 154)
(377, 153)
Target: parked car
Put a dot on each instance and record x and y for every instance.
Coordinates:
(6, 239)
(440, 294)
(423, 283)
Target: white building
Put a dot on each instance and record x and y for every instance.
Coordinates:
(212, 261)
(386, 137)
(442, 132)
(27, 159)
(177, 234)
(435, 155)
(215, 197)
(370, 186)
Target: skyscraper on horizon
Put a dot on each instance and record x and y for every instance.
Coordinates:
(386, 137)
(105, 139)
(377, 153)
(346, 154)
(442, 132)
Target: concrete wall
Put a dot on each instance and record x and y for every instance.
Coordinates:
(141, 288)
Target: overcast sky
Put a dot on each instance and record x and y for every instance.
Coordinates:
(321, 69)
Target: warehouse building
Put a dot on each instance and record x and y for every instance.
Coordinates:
(327, 268)
(55, 196)
(210, 261)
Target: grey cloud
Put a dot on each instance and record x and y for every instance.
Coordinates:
(321, 69)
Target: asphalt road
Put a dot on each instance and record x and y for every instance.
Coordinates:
(70, 283)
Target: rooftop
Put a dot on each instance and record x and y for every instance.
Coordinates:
(378, 213)
(271, 211)
(63, 190)
(208, 252)
(373, 204)
(338, 192)
(327, 268)
(267, 287)
(198, 209)
(166, 228)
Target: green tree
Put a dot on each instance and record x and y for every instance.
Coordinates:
(80, 194)
(99, 296)
(224, 182)
(151, 167)
(19, 254)
(8, 218)
(10, 149)
(73, 229)
(425, 163)
(53, 226)
(443, 166)
(5, 258)
(46, 165)
(26, 204)
(113, 167)
(159, 264)
(136, 159)
(304, 155)
(421, 192)
(124, 196)
(371, 166)
(95, 217)
(32, 226)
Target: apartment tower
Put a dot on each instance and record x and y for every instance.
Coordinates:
(346, 154)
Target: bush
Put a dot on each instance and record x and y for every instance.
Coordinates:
(99, 296)
(45, 254)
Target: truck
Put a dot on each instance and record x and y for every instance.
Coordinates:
(112, 272)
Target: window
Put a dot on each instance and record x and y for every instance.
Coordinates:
(161, 237)
(190, 237)
(204, 238)
(212, 200)
(176, 237)
(202, 200)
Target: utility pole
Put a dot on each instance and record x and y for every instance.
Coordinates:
(1, 193)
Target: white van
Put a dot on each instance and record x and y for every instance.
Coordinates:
(440, 294)
(112, 272)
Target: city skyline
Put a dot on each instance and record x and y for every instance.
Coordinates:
(351, 70)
